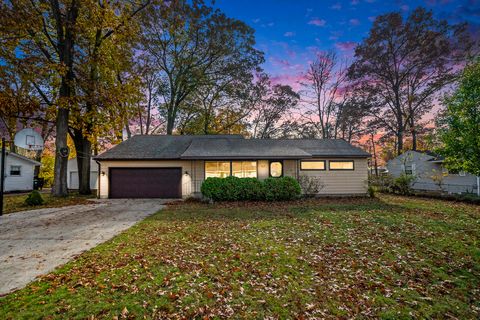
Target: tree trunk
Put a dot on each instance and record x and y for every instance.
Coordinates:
(372, 139)
(59, 188)
(399, 141)
(83, 147)
(66, 34)
(170, 122)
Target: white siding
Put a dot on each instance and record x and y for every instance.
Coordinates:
(341, 182)
(425, 170)
(72, 174)
(24, 182)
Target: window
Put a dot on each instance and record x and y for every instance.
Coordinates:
(312, 165)
(244, 169)
(341, 165)
(15, 170)
(276, 169)
(217, 169)
(408, 169)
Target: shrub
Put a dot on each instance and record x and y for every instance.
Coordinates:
(382, 183)
(371, 191)
(238, 189)
(310, 185)
(232, 189)
(402, 184)
(34, 199)
(283, 188)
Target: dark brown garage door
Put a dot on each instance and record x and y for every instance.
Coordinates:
(145, 182)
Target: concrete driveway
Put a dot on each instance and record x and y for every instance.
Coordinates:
(34, 242)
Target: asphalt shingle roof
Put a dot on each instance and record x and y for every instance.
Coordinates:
(243, 148)
(151, 147)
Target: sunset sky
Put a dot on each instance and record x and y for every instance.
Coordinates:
(290, 32)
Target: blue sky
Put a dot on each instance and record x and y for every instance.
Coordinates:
(290, 32)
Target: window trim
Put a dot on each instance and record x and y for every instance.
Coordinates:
(205, 168)
(270, 168)
(19, 170)
(352, 161)
(231, 166)
(324, 165)
(256, 166)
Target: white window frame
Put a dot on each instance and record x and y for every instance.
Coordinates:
(19, 170)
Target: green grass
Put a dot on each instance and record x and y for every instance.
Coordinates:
(16, 202)
(392, 258)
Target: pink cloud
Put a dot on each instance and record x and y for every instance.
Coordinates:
(293, 80)
(404, 7)
(317, 22)
(289, 34)
(354, 22)
(372, 18)
(280, 62)
(346, 46)
(354, 2)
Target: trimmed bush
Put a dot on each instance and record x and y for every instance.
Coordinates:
(283, 188)
(240, 189)
(34, 199)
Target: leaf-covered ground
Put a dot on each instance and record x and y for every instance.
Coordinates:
(16, 202)
(393, 257)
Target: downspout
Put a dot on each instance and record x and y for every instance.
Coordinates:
(99, 174)
(478, 186)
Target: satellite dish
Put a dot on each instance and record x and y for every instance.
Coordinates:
(29, 139)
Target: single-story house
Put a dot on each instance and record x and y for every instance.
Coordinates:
(72, 174)
(19, 172)
(430, 174)
(161, 166)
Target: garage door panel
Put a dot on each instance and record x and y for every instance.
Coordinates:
(145, 182)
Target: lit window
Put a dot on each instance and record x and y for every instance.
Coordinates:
(244, 169)
(217, 169)
(340, 165)
(15, 170)
(276, 169)
(312, 165)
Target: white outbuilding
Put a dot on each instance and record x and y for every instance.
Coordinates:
(19, 172)
(72, 177)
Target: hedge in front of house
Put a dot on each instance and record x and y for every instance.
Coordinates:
(284, 188)
(238, 189)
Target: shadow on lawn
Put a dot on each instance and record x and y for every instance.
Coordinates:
(247, 210)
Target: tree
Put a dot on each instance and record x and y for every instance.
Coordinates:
(105, 84)
(193, 46)
(325, 78)
(271, 104)
(42, 35)
(461, 133)
(402, 66)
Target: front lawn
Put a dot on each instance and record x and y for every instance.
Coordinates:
(396, 257)
(16, 202)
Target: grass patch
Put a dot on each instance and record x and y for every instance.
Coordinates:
(393, 257)
(16, 202)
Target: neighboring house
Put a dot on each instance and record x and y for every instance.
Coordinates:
(430, 174)
(158, 166)
(72, 174)
(19, 172)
